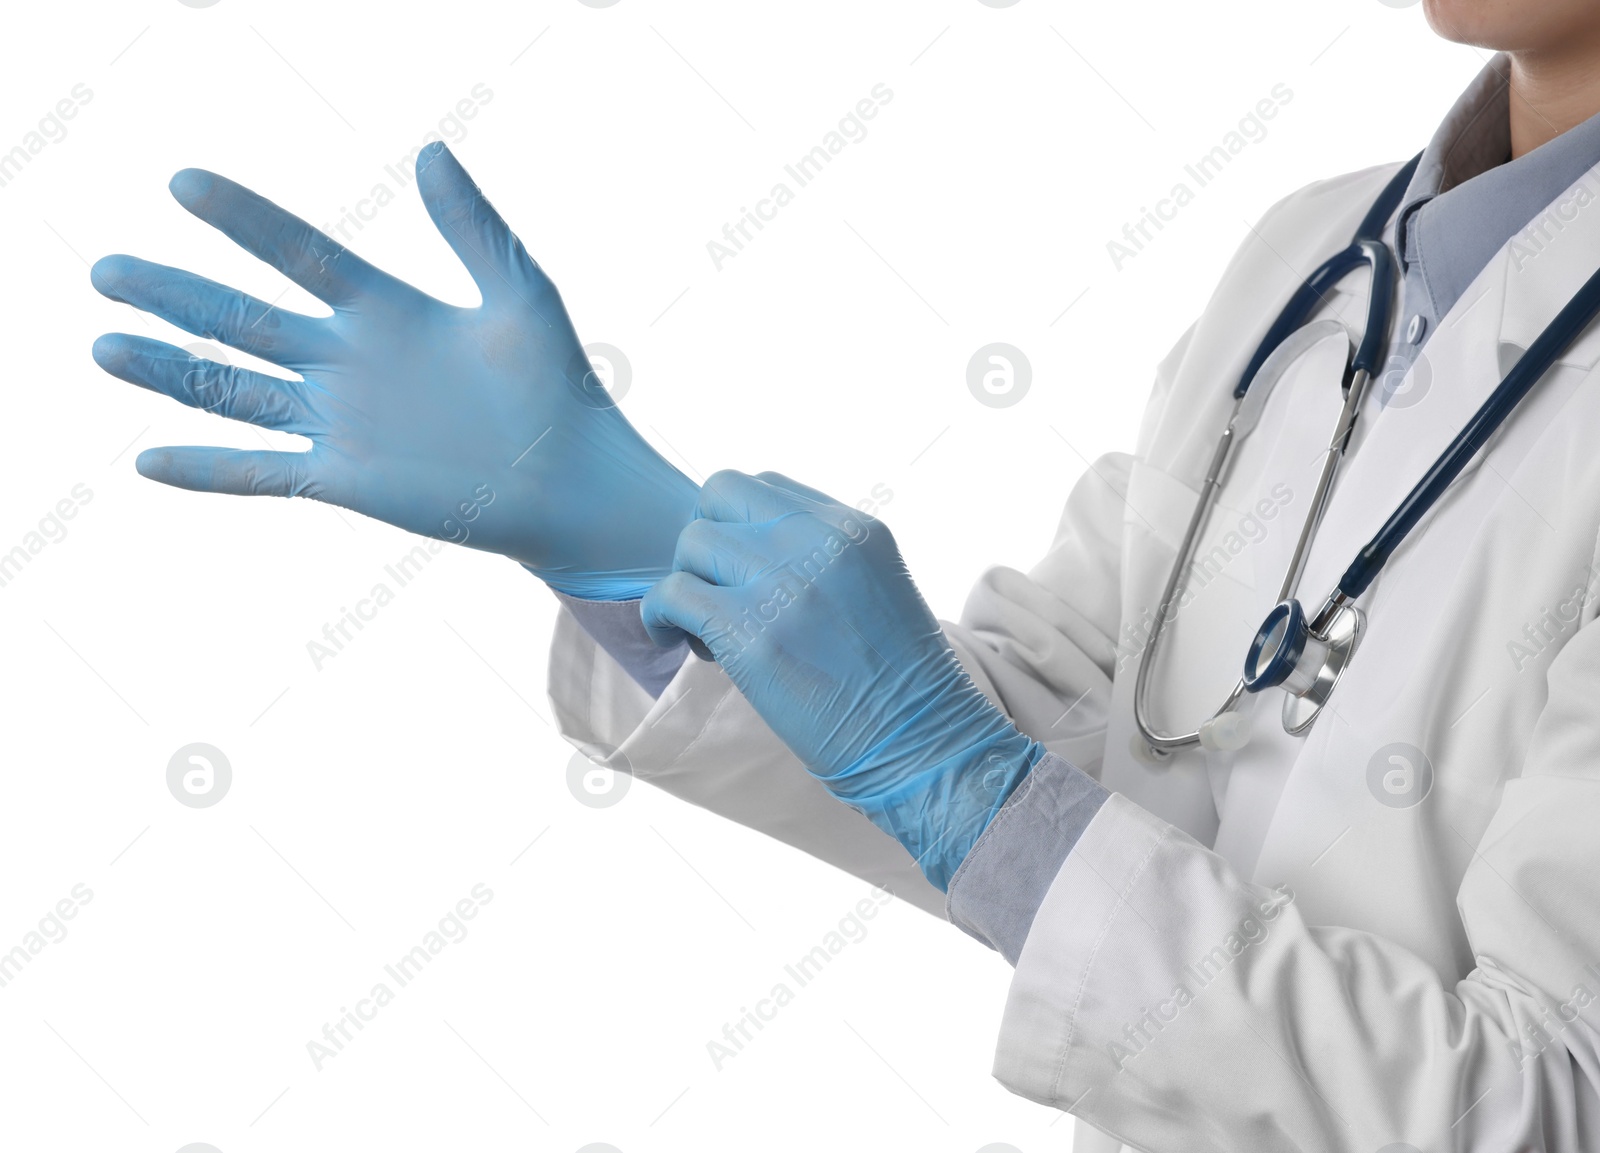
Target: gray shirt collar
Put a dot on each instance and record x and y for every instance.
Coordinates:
(1468, 197)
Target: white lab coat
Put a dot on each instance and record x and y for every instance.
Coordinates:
(1358, 971)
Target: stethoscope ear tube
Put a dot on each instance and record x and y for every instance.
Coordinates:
(1313, 293)
(1247, 413)
(1380, 304)
(1377, 217)
(1527, 372)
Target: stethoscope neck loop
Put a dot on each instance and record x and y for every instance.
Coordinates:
(1545, 350)
(1365, 247)
(1377, 217)
(1380, 305)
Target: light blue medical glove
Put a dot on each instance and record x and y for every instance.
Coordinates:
(808, 607)
(483, 426)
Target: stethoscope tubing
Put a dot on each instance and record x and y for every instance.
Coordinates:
(1313, 289)
(1546, 349)
(1575, 316)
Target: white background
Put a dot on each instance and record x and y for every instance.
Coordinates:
(370, 796)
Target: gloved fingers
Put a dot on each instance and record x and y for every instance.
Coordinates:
(313, 260)
(213, 310)
(498, 263)
(854, 523)
(682, 605)
(238, 472)
(730, 495)
(225, 389)
(778, 480)
(719, 553)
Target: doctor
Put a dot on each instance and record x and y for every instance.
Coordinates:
(1379, 932)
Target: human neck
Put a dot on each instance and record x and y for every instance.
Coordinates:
(1552, 92)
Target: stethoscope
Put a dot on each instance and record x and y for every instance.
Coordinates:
(1305, 654)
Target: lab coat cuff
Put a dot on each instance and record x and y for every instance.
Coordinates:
(617, 627)
(1041, 1053)
(998, 888)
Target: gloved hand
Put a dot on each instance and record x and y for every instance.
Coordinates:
(485, 426)
(808, 607)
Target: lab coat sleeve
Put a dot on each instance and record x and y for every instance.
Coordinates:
(1170, 1003)
(702, 742)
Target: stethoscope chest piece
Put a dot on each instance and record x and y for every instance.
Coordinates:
(1305, 657)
